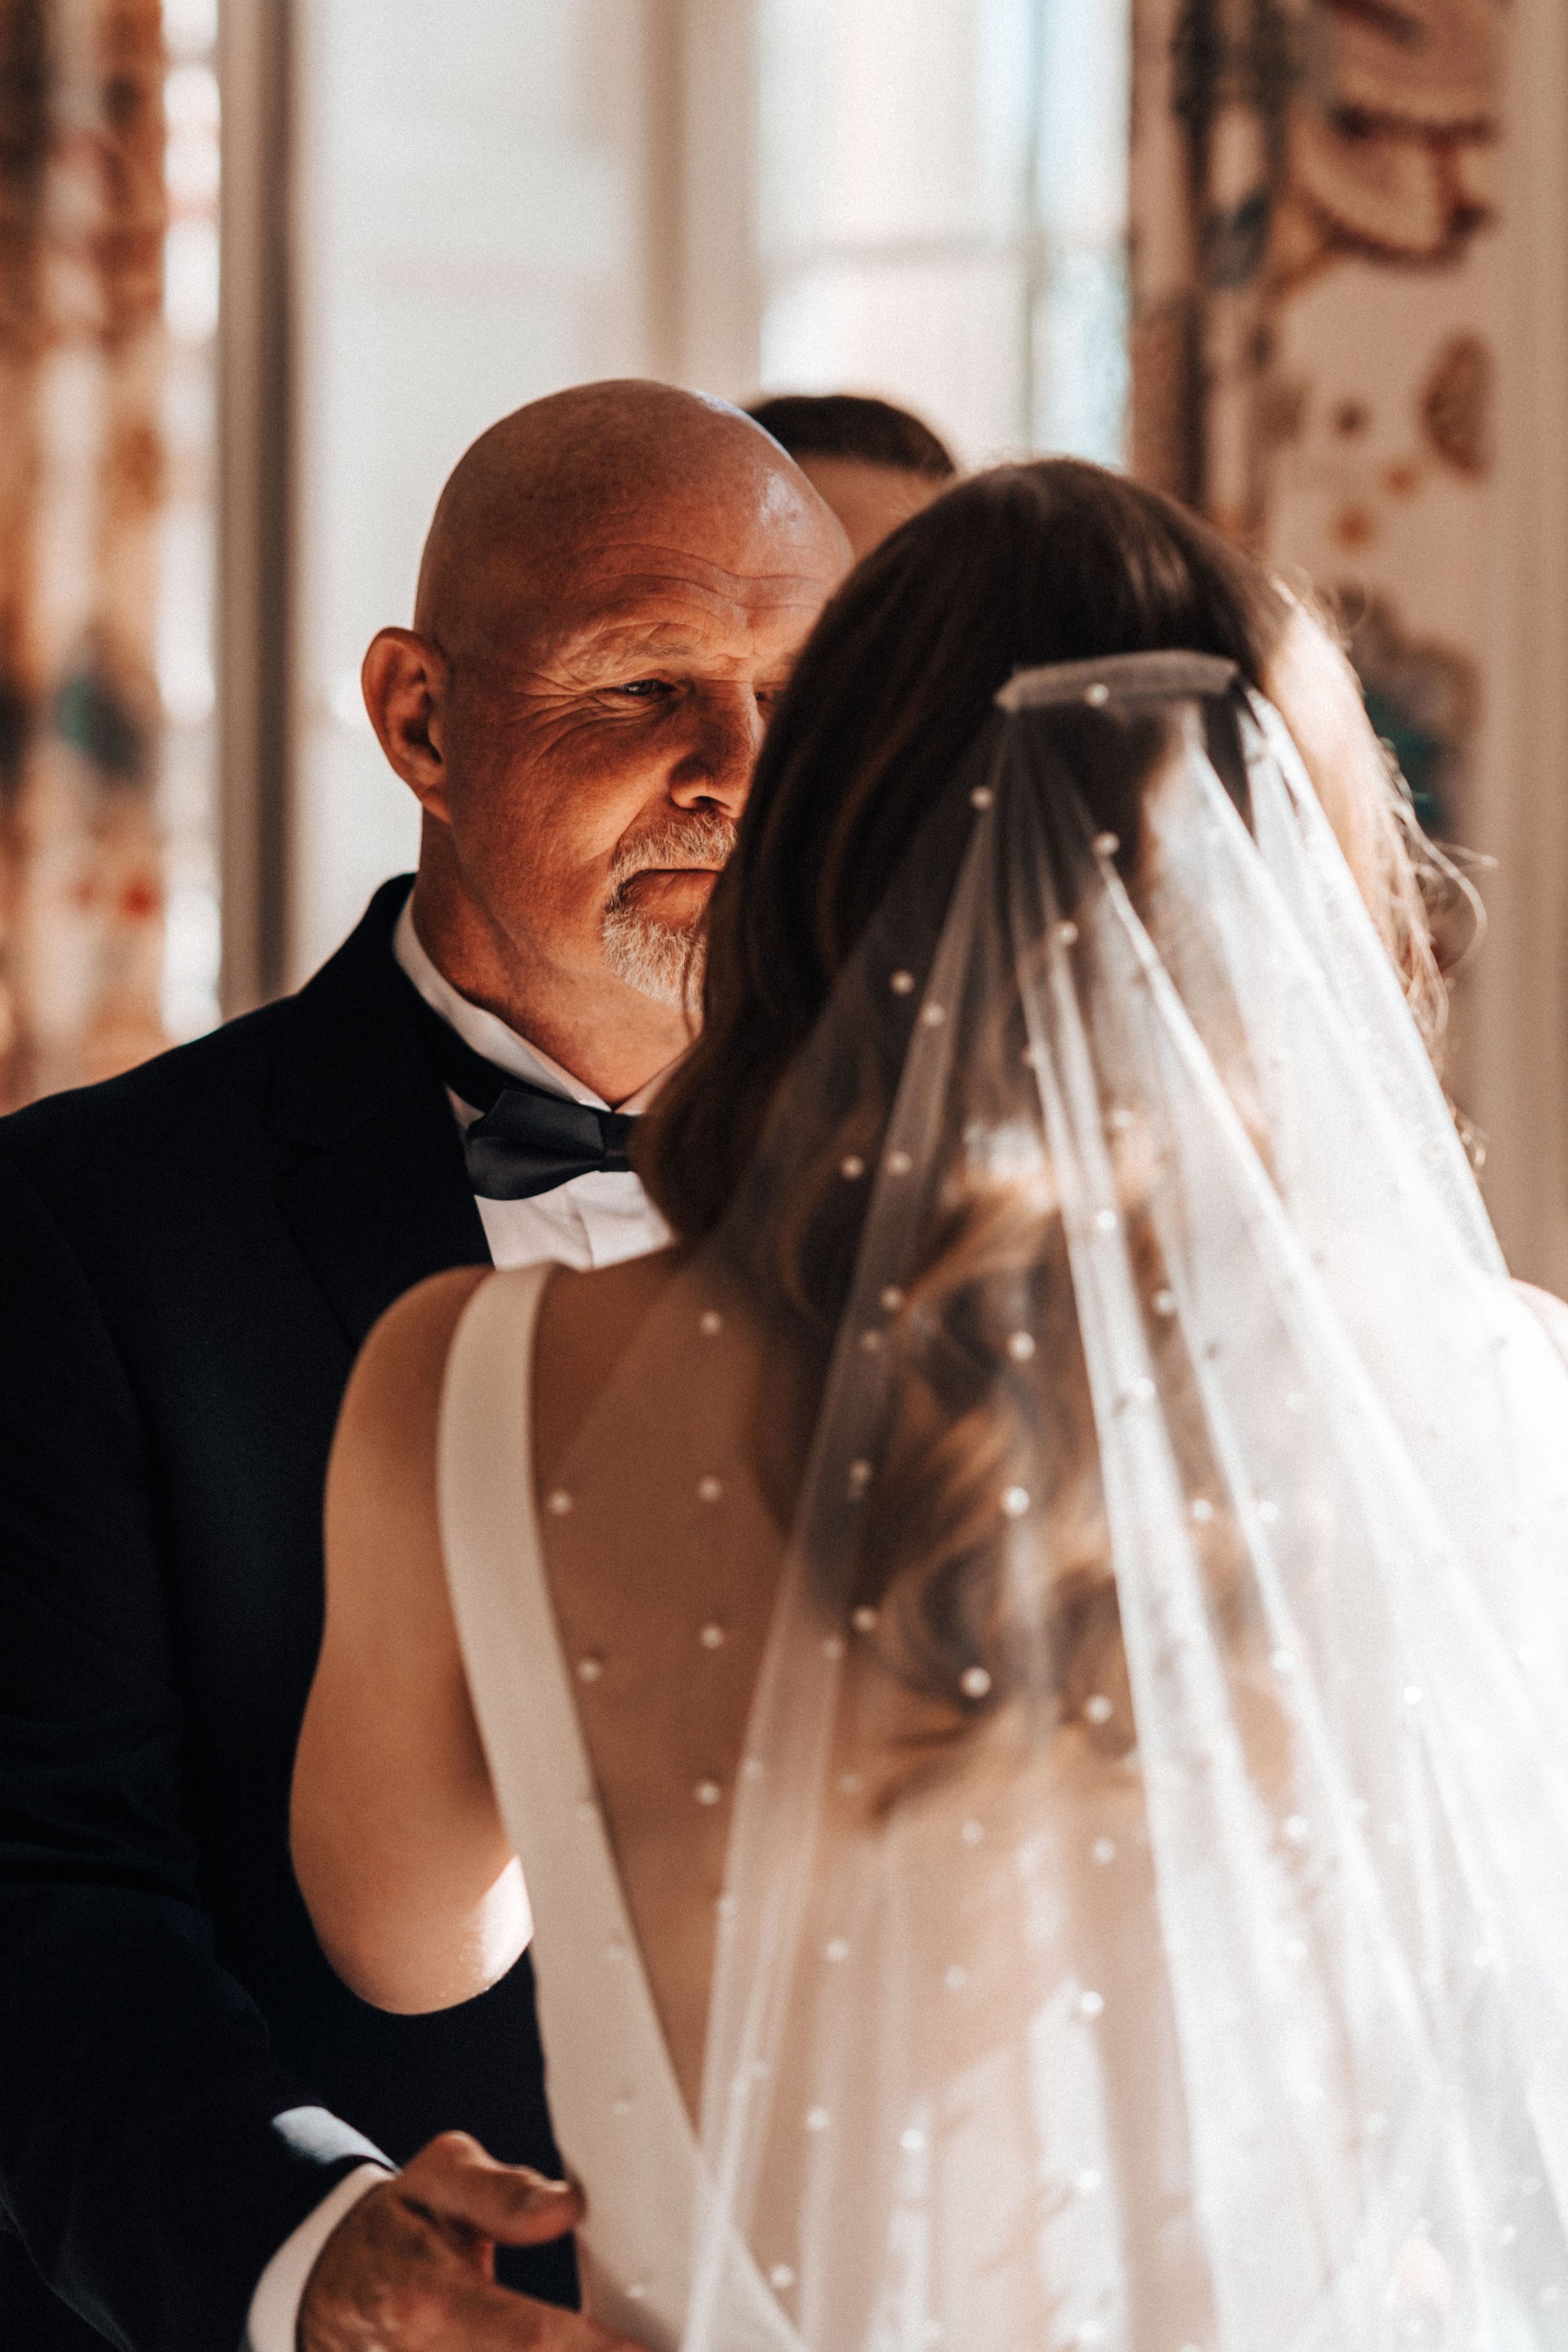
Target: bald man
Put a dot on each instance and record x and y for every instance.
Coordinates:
(197, 2122)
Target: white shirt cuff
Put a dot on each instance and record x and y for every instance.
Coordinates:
(274, 2319)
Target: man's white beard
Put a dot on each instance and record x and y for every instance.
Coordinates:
(665, 964)
(662, 961)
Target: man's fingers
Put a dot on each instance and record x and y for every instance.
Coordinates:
(407, 2270)
(453, 2180)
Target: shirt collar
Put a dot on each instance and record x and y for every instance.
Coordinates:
(489, 1035)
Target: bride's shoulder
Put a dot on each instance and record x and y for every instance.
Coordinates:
(394, 1389)
(381, 1480)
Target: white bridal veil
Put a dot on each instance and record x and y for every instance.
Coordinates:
(1146, 1920)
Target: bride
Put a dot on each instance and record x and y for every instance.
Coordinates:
(1020, 1666)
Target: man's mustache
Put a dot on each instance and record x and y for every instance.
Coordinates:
(695, 841)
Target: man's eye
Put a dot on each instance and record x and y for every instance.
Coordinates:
(646, 688)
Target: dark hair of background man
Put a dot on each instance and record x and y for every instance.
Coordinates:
(855, 426)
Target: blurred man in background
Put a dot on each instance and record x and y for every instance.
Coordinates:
(875, 465)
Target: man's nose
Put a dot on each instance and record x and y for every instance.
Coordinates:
(716, 767)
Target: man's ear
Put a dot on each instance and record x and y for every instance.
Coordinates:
(404, 680)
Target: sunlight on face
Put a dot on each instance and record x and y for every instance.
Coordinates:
(601, 764)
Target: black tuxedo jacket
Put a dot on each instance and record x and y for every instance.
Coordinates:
(190, 1257)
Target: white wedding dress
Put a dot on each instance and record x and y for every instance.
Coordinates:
(620, 2120)
(1193, 1971)
(619, 2117)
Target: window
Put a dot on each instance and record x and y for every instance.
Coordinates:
(942, 206)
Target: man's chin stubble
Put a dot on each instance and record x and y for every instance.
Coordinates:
(662, 964)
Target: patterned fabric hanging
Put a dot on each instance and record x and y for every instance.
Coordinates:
(82, 367)
(1314, 258)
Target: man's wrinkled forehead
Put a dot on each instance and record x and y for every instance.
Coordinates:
(668, 601)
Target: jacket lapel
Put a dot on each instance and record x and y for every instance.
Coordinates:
(375, 1190)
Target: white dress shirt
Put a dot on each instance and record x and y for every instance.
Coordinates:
(595, 1219)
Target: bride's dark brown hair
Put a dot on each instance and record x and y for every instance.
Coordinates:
(1026, 565)
(1052, 561)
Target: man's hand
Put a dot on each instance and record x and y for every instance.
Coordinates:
(412, 2267)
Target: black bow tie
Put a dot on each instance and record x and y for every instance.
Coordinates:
(527, 1141)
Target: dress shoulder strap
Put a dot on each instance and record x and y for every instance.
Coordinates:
(489, 1537)
(484, 1470)
(600, 2035)
(619, 2113)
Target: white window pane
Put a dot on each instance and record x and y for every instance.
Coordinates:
(190, 26)
(945, 338)
(885, 124)
(1085, 69)
(190, 279)
(942, 211)
(1081, 375)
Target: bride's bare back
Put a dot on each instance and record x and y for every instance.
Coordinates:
(665, 1642)
(391, 1790)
